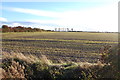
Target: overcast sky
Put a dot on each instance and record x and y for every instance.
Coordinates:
(82, 16)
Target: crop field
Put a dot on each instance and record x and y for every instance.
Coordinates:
(57, 46)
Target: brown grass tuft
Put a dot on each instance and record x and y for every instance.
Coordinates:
(45, 60)
(28, 58)
(14, 71)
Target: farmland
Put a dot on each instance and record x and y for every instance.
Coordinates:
(66, 46)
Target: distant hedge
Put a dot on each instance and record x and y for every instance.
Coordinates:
(6, 28)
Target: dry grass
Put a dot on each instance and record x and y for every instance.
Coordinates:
(28, 58)
(17, 71)
(14, 71)
(32, 59)
(1, 75)
(91, 65)
(45, 60)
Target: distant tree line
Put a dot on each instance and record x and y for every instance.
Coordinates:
(6, 28)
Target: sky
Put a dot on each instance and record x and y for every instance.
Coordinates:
(81, 16)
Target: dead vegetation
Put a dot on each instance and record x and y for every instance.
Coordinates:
(18, 65)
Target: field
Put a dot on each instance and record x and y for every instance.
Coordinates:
(57, 46)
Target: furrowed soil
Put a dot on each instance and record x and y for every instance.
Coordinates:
(66, 46)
